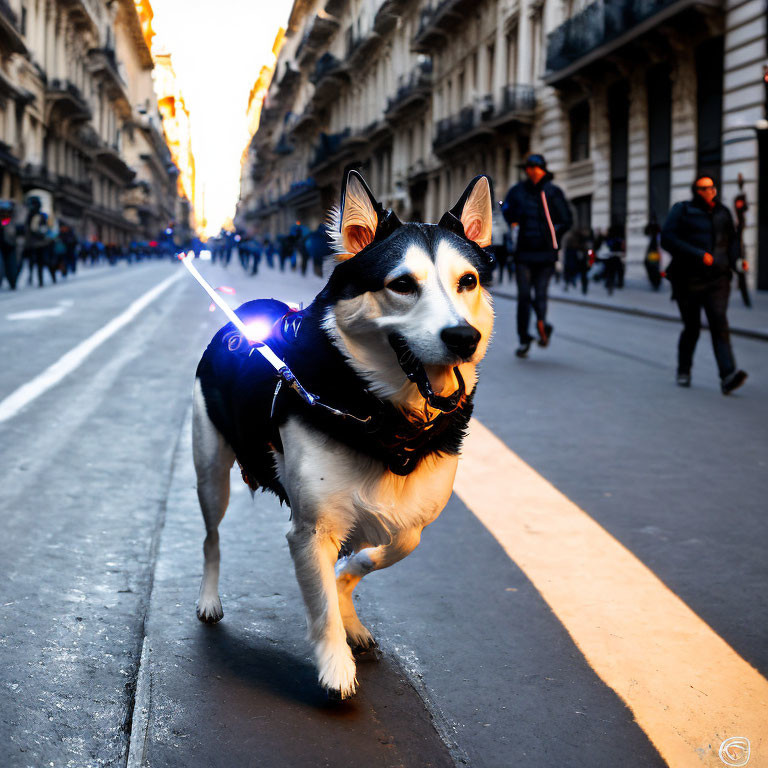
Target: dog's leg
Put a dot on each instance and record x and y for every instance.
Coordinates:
(314, 552)
(350, 570)
(213, 460)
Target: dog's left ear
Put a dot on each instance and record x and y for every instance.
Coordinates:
(471, 216)
(362, 219)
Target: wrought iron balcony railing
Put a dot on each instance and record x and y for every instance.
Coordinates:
(328, 147)
(413, 89)
(599, 23)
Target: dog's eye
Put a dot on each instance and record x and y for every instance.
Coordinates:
(403, 284)
(467, 282)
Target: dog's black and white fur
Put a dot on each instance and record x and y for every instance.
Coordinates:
(402, 299)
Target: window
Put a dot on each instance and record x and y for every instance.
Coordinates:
(659, 88)
(709, 102)
(582, 209)
(618, 120)
(579, 119)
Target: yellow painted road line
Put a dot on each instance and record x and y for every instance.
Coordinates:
(687, 688)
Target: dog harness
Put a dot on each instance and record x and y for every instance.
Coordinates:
(248, 402)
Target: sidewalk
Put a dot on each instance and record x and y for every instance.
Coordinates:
(637, 298)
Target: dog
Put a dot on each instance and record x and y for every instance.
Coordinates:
(387, 352)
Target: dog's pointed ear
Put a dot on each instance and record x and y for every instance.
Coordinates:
(472, 216)
(360, 215)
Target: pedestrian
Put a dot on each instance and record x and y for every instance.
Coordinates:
(653, 252)
(611, 253)
(700, 236)
(541, 212)
(499, 237)
(576, 267)
(9, 269)
(37, 241)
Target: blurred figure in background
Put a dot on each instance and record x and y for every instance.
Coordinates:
(610, 251)
(9, 267)
(499, 240)
(318, 247)
(37, 241)
(700, 235)
(653, 252)
(542, 213)
(576, 260)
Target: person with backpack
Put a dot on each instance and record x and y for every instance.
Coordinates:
(541, 213)
(700, 236)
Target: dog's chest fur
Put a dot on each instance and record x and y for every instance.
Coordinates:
(357, 494)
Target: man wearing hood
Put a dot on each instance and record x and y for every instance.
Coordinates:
(700, 235)
(540, 211)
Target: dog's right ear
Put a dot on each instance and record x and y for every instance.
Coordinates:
(360, 216)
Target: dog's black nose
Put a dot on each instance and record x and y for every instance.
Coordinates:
(462, 340)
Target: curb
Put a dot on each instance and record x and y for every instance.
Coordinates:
(748, 333)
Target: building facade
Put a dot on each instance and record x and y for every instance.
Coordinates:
(79, 120)
(628, 100)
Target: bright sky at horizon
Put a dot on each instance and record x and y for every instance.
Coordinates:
(217, 51)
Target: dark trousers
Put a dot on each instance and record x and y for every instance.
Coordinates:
(713, 299)
(529, 276)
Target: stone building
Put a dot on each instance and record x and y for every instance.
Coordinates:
(628, 100)
(76, 118)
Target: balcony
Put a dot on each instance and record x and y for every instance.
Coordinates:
(287, 84)
(469, 125)
(329, 75)
(360, 49)
(65, 99)
(84, 13)
(319, 32)
(283, 146)
(7, 158)
(10, 34)
(387, 15)
(436, 24)
(300, 192)
(413, 93)
(109, 157)
(77, 191)
(303, 123)
(35, 176)
(102, 62)
(605, 26)
(329, 149)
(516, 105)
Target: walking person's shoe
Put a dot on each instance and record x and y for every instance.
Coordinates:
(732, 381)
(683, 379)
(545, 332)
(522, 350)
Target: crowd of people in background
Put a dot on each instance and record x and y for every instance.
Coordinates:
(300, 248)
(32, 247)
(533, 225)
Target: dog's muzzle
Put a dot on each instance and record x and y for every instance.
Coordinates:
(415, 372)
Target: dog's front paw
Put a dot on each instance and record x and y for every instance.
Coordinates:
(337, 671)
(209, 610)
(362, 642)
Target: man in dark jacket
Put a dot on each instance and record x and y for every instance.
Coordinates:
(700, 235)
(540, 211)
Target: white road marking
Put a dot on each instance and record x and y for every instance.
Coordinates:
(67, 363)
(35, 314)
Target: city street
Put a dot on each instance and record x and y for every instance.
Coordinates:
(594, 594)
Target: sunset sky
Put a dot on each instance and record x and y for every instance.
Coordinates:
(217, 50)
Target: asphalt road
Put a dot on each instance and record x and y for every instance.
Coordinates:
(103, 661)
